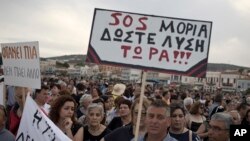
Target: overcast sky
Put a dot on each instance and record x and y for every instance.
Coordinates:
(63, 27)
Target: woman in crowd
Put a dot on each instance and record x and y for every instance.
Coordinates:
(127, 133)
(124, 117)
(85, 100)
(95, 93)
(178, 128)
(5, 135)
(94, 130)
(195, 117)
(246, 119)
(17, 110)
(62, 114)
(100, 101)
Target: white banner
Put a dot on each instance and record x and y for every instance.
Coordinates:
(36, 126)
(21, 64)
(150, 42)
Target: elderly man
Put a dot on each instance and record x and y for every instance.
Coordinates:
(219, 127)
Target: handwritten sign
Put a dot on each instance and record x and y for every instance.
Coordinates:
(158, 43)
(21, 64)
(36, 126)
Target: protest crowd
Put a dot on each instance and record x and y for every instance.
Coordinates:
(86, 110)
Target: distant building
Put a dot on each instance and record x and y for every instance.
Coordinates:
(243, 84)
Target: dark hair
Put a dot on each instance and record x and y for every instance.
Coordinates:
(159, 103)
(98, 91)
(126, 102)
(57, 105)
(195, 107)
(176, 106)
(80, 87)
(37, 91)
(55, 85)
(242, 106)
(218, 98)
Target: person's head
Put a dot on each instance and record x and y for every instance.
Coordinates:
(99, 101)
(218, 98)
(166, 95)
(55, 89)
(232, 105)
(236, 117)
(177, 113)
(20, 95)
(41, 95)
(95, 114)
(188, 102)
(85, 100)
(135, 111)
(95, 92)
(157, 117)
(157, 94)
(196, 108)
(242, 109)
(125, 108)
(107, 102)
(3, 116)
(219, 127)
(54, 92)
(63, 107)
(248, 116)
(118, 90)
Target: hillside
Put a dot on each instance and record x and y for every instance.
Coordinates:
(211, 66)
(222, 67)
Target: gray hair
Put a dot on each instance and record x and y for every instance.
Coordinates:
(158, 103)
(225, 117)
(84, 98)
(95, 105)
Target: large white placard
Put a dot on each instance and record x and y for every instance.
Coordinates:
(150, 42)
(21, 64)
(36, 126)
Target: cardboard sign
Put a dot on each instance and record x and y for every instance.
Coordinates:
(21, 64)
(36, 126)
(148, 42)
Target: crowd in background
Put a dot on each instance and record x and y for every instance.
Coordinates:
(87, 110)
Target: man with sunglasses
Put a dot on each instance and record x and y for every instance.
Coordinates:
(5, 135)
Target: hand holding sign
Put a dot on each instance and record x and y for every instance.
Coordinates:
(67, 124)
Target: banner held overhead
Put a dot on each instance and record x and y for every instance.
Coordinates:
(21, 64)
(149, 42)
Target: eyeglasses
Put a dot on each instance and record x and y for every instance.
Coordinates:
(216, 129)
(4, 110)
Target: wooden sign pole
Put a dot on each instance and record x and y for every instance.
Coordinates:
(144, 75)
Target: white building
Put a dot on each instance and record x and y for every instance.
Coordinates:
(243, 84)
(48, 65)
(229, 81)
(130, 74)
(212, 81)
